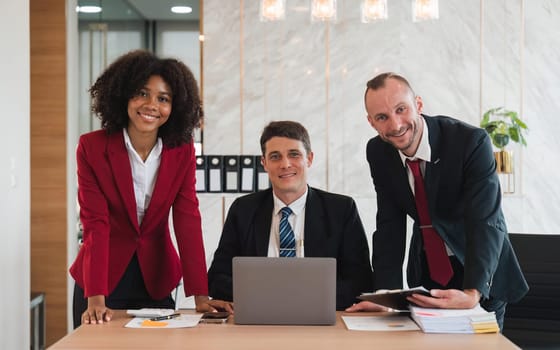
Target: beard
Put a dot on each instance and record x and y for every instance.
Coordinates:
(413, 126)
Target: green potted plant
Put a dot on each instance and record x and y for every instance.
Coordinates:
(503, 126)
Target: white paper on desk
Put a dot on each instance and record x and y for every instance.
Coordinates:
(183, 321)
(379, 323)
(149, 312)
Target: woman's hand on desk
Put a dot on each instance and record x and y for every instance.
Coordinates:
(366, 306)
(205, 304)
(96, 312)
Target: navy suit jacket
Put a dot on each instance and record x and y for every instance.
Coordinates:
(332, 229)
(464, 200)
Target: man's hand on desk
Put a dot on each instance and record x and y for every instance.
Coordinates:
(366, 306)
(96, 312)
(447, 299)
(205, 304)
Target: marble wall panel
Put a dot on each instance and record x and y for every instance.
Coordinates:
(477, 55)
(254, 77)
(541, 86)
(501, 42)
(441, 59)
(221, 75)
(358, 51)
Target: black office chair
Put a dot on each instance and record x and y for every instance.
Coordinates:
(534, 321)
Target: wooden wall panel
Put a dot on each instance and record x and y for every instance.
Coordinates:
(48, 160)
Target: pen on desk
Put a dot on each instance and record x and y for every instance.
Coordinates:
(168, 317)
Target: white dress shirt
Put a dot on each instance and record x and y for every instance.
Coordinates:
(296, 220)
(424, 154)
(144, 174)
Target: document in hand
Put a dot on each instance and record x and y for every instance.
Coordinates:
(395, 298)
(475, 320)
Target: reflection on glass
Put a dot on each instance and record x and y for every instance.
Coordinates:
(88, 9)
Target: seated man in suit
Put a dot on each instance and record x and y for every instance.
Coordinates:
(328, 223)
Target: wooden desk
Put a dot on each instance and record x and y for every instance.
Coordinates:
(229, 336)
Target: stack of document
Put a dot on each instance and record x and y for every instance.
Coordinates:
(475, 320)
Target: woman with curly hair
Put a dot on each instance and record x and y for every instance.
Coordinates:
(131, 173)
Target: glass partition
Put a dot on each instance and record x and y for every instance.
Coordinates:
(124, 25)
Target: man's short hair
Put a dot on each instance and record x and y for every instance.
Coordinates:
(286, 128)
(379, 81)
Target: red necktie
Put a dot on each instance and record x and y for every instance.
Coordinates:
(438, 261)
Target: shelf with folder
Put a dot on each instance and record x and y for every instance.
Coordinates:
(230, 174)
(247, 175)
(201, 170)
(214, 175)
(263, 182)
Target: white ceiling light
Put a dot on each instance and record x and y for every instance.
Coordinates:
(88, 9)
(181, 9)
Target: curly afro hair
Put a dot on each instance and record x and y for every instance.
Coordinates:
(128, 74)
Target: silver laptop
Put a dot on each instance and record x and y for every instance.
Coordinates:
(288, 291)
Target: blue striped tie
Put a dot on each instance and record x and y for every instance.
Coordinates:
(287, 238)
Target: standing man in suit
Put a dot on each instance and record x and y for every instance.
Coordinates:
(463, 218)
(328, 223)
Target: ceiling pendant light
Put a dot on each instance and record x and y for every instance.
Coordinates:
(272, 10)
(374, 10)
(423, 10)
(323, 10)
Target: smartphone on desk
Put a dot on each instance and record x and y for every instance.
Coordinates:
(214, 317)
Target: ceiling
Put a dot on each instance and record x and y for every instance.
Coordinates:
(153, 10)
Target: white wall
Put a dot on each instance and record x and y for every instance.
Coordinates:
(477, 55)
(14, 175)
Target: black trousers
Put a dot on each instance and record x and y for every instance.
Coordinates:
(456, 282)
(130, 293)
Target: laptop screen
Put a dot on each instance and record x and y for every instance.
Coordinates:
(289, 291)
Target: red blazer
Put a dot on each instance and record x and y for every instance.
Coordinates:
(111, 234)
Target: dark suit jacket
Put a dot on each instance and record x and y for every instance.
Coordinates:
(464, 200)
(111, 234)
(332, 229)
